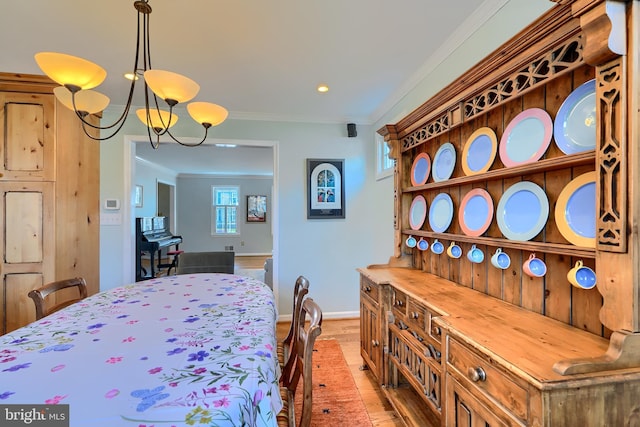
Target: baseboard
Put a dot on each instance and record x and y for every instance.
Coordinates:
(333, 315)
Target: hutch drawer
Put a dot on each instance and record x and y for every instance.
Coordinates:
(370, 289)
(487, 380)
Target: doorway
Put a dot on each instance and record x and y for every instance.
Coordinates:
(166, 204)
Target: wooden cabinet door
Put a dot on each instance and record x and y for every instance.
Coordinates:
(28, 245)
(464, 410)
(27, 139)
(370, 343)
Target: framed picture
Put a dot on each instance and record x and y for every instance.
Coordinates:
(138, 196)
(325, 188)
(256, 208)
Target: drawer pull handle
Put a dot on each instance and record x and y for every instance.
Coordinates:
(415, 314)
(375, 343)
(436, 331)
(399, 303)
(367, 289)
(477, 374)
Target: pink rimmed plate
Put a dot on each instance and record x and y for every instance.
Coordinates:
(417, 212)
(475, 212)
(420, 169)
(526, 138)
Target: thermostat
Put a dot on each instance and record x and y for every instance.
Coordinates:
(112, 204)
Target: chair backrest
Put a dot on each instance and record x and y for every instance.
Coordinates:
(39, 296)
(300, 290)
(206, 262)
(300, 366)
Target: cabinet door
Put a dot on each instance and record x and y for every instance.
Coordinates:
(27, 140)
(370, 345)
(28, 245)
(464, 410)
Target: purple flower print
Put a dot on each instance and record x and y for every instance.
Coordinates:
(199, 356)
(15, 368)
(191, 319)
(96, 326)
(6, 395)
(175, 351)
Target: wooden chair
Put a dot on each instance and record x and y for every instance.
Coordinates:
(300, 290)
(300, 367)
(39, 296)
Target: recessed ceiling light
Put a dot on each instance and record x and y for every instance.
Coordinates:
(323, 88)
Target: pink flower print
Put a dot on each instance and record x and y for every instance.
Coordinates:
(155, 370)
(174, 384)
(225, 387)
(237, 365)
(129, 339)
(57, 368)
(224, 402)
(55, 400)
(132, 322)
(212, 390)
(114, 360)
(112, 393)
(199, 371)
(269, 347)
(244, 347)
(257, 397)
(168, 330)
(8, 359)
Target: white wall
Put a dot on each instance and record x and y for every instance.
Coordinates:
(326, 251)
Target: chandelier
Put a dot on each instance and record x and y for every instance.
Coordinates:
(78, 76)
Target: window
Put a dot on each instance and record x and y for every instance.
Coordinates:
(224, 212)
(384, 165)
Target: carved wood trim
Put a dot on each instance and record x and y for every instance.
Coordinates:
(611, 157)
(564, 57)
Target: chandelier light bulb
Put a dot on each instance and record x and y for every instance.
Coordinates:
(172, 87)
(157, 119)
(86, 101)
(207, 113)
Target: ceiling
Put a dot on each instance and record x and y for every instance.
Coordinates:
(259, 59)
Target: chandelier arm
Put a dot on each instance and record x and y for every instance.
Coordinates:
(186, 144)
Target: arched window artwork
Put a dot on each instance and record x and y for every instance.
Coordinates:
(325, 188)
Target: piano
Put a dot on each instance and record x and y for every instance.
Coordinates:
(152, 236)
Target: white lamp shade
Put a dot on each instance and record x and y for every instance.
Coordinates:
(159, 120)
(70, 70)
(88, 101)
(171, 86)
(206, 112)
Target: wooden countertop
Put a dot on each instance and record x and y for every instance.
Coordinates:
(526, 343)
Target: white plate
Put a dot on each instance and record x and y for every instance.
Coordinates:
(574, 129)
(417, 213)
(522, 211)
(526, 138)
(441, 213)
(444, 162)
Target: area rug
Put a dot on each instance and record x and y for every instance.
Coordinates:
(336, 400)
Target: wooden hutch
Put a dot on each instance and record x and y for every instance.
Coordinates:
(457, 343)
(50, 204)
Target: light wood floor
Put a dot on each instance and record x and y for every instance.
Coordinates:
(347, 333)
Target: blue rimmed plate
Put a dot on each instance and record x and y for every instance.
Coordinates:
(526, 138)
(479, 151)
(417, 212)
(420, 169)
(475, 212)
(574, 128)
(523, 211)
(576, 211)
(444, 162)
(441, 213)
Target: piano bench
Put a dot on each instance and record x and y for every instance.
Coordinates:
(174, 263)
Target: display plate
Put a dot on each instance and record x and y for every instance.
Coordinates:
(441, 213)
(576, 211)
(523, 211)
(417, 212)
(479, 151)
(475, 212)
(420, 169)
(526, 138)
(574, 129)
(444, 162)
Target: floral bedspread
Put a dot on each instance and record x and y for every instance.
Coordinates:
(195, 349)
